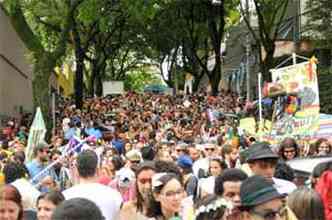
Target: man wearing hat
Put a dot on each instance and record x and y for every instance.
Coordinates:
(133, 157)
(190, 181)
(260, 200)
(262, 161)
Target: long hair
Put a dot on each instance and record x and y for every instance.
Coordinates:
(155, 206)
(10, 193)
(139, 200)
(55, 197)
(306, 204)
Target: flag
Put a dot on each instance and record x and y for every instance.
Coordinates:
(36, 134)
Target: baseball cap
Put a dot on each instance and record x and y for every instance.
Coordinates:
(185, 161)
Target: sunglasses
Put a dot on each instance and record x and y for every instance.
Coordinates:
(210, 149)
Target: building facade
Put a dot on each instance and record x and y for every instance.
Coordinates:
(15, 72)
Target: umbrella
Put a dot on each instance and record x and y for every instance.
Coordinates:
(36, 134)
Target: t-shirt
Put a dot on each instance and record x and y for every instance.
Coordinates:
(284, 186)
(28, 192)
(107, 199)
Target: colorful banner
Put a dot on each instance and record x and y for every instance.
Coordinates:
(298, 111)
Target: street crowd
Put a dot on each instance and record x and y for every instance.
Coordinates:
(154, 156)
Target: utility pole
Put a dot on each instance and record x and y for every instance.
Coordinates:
(248, 55)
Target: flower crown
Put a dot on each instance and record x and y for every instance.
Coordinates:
(213, 206)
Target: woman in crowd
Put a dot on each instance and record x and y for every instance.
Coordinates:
(138, 208)
(46, 203)
(10, 203)
(206, 185)
(323, 147)
(230, 154)
(288, 149)
(306, 204)
(168, 193)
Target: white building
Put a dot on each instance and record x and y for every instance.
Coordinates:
(15, 72)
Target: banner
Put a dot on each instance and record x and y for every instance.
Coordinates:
(297, 112)
(36, 134)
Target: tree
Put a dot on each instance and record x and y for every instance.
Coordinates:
(195, 28)
(44, 58)
(319, 22)
(270, 15)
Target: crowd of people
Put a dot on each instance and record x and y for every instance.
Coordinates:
(153, 156)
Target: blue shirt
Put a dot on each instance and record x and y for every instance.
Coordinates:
(34, 168)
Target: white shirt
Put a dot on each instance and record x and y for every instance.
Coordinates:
(107, 199)
(201, 164)
(206, 185)
(28, 192)
(284, 186)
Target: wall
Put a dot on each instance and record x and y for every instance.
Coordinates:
(15, 72)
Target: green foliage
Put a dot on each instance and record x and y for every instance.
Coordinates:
(319, 22)
(325, 90)
(137, 79)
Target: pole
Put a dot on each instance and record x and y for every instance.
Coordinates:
(260, 99)
(53, 110)
(248, 55)
(294, 58)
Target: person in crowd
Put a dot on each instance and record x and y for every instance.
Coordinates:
(168, 193)
(168, 167)
(318, 170)
(10, 203)
(262, 161)
(40, 163)
(106, 198)
(124, 183)
(165, 155)
(228, 185)
(190, 182)
(16, 175)
(288, 149)
(324, 189)
(180, 149)
(231, 156)
(323, 147)
(78, 208)
(201, 166)
(260, 200)
(46, 204)
(284, 171)
(306, 204)
(194, 152)
(137, 209)
(133, 158)
(206, 185)
(212, 207)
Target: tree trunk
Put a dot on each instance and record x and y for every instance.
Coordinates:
(43, 69)
(267, 64)
(79, 56)
(99, 86)
(215, 77)
(79, 78)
